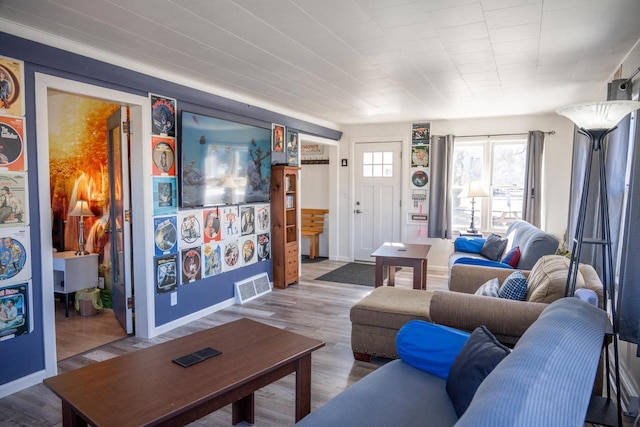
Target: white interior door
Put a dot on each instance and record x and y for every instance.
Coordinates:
(377, 201)
(120, 226)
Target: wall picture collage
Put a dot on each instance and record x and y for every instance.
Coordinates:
(420, 134)
(193, 244)
(15, 250)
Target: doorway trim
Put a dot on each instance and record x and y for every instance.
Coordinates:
(140, 126)
(352, 178)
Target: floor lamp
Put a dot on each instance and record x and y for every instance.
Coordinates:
(81, 209)
(596, 120)
(475, 189)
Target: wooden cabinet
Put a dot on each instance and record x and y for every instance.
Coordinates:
(284, 225)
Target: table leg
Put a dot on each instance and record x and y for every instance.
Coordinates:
(424, 274)
(66, 305)
(70, 418)
(303, 387)
(391, 272)
(243, 410)
(379, 269)
(417, 275)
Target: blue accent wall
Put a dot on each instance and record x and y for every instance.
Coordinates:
(24, 355)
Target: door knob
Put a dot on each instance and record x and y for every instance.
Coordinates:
(357, 211)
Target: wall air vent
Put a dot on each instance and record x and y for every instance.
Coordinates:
(252, 287)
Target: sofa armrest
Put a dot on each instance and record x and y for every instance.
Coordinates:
(506, 319)
(468, 278)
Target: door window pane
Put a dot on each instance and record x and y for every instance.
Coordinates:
(377, 164)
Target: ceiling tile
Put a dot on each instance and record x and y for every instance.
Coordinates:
(508, 17)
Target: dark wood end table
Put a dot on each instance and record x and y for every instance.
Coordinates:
(393, 255)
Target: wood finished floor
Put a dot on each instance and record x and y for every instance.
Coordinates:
(312, 308)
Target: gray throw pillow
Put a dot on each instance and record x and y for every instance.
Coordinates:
(481, 353)
(494, 247)
(489, 289)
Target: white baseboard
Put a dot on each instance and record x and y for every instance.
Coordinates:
(22, 383)
(190, 318)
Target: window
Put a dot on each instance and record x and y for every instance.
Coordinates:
(500, 165)
(376, 164)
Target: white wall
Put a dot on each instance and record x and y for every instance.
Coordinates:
(556, 164)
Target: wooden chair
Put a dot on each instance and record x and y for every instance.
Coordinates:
(312, 226)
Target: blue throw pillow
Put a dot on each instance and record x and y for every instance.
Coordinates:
(481, 262)
(472, 245)
(514, 287)
(480, 354)
(429, 347)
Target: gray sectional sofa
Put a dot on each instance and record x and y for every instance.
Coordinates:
(533, 242)
(546, 381)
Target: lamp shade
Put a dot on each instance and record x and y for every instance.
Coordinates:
(81, 209)
(476, 189)
(598, 115)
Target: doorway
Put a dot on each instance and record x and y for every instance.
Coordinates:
(140, 123)
(86, 152)
(377, 196)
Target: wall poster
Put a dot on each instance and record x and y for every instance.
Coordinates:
(15, 310)
(11, 86)
(163, 116)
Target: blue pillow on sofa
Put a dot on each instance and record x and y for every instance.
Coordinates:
(514, 287)
(429, 347)
(481, 262)
(471, 245)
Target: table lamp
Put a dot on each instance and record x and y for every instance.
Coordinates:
(81, 209)
(475, 189)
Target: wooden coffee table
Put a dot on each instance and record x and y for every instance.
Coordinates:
(393, 255)
(145, 387)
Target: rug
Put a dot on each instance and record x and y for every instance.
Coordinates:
(354, 273)
(306, 260)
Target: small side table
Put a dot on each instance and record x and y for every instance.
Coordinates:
(78, 272)
(391, 255)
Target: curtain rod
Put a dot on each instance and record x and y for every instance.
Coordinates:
(551, 132)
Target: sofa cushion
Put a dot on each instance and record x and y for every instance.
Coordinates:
(429, 347)
(548, 279)
(394, 395)
(481, 353)
(391, 307)
(490, 288)
(494, 247)
(514, 287)
(469, 244)
(533, 242)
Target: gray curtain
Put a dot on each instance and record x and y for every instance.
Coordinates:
(532, 200)
(440, 203)
(627, 319)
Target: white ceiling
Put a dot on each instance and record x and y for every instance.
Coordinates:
(356, 61)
